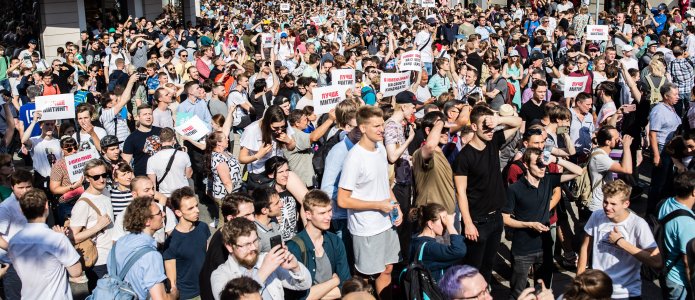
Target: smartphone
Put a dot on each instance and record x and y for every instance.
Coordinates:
(275, 240)
(563, 130)
(538, 288)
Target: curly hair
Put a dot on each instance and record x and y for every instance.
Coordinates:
(590, 285)
(238, 287)
(236, 228)
(137, 213)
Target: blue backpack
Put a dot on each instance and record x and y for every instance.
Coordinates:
(113, 285)
(417, 282)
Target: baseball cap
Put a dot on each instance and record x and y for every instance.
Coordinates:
(112, 30)
(431, 21)
(536, 56)
(513, 53)
(283, 35)
(628, 48)
(663, 6)
(652, 43)
(407, 97)
(191, 44)
(205, 41)
(33, 41)
(593, 47)
(109, 140)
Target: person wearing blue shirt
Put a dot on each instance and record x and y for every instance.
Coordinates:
(659, 17)
(26, 111)
(195, 104)
(677, 233)
(434, 221)
(440, 82)
(142, 219)
(368, 93)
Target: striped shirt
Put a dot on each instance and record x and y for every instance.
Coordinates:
(120, 200)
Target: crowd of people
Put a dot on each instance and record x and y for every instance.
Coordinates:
(486, 142)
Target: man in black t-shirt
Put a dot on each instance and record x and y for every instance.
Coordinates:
(527, 212)
(534, 109)
(479, 186)
(143, 142)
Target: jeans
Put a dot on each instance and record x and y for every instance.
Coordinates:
(675, 291)
(483, 252)
(661, 178)
(5, 85)
(12, 285)
(403, 193)
(542, 263)
(428, 68)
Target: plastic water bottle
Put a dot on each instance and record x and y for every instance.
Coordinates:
(394, 213)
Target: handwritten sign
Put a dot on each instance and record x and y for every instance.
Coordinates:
(341, 14)
(343, 77)
(393, 83)
(428, 3)
(267, 39)
(328, 97)
(574, 86)
(597, 32)
(410, 61)
(284, 6)
(76, 162)
(193, 128)
(56, 107)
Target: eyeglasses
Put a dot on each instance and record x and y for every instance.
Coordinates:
(98, 176)
(254, 242)
(484, 292)
(281, 128)
(159, 213)
(184, 55)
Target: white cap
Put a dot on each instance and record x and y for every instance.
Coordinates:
(627, 48)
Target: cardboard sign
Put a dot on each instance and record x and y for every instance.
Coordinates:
(410, 61)
(328, 97)
(596, 32)
(193, 128)
(267, 39)
(284, 6)
(77, 161)
(393, 83)
(574, 86)
(341, 14)
(343, 77)
(428, 3)
(56, 107)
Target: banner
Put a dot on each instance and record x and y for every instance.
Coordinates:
(393, 83)
(193, 128)
(428, 3)
(328, 97)
(75, 163)
(343, 77)
(284, 6)
(267, 39)
(574, 86)
(56, 107)
(596, 32)
(410, 61)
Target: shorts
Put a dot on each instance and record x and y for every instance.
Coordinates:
(374, 253)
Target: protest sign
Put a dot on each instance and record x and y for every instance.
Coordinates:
(393, 83)
(410, 61)
(428, 3)
(574, 86)
(56, 107)
(75, 163)
(596, 32)
(284, 6)
(267, 39)
(341, 14)
(343, 77)
(193, 128)
(327, 97)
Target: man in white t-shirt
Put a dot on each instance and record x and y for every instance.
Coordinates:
(423, 42)
(110, 59)
(87, 223)
(42, 257)
(601, 165)
(364, 190)
(174, 177)
(90, 135)
(239, 97)
(620, 242)
(12, 220)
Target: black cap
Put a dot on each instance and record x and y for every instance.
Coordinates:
(536, 56)
(109, 140)
(33, 41)
(407, 97)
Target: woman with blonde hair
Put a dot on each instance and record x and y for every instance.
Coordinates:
(599, 71)
(655, 77)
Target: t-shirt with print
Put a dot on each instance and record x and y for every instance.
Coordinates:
(115, 124)
(288, 222)
(44, 153)
(394, 134)
(620, 266)
(26, 115)
(188, 249)
(599, 166)
(86, 142)
(84, 216)
(142, 145)
(218, 189)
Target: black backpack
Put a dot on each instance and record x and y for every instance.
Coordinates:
(319, 159)
(417, 282)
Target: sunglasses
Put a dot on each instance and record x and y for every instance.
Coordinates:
(69, 149)
(98, 176)
(540, 164)
(281, 128)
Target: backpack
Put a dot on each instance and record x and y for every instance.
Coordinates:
(513, 162)
(112, 286)
(511, 91)
(658, 230)
(581, 188)
(417, 282)
(690, 252)
(318, 161)
(654, 93)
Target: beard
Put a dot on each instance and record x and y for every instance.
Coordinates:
(249, 261)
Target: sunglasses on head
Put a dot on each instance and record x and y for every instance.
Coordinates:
(98, 176)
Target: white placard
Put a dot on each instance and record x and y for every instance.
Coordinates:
(393, 83)
(574, 86)
(284, 6)
(428, 3)
(411, 61)
(75, 163)
(267, 39)
(596, 32)
(328, 97)
(343, 77)
(56, 107)
(193, 128)
(341, 14)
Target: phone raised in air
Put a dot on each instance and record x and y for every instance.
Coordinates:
(275, 240)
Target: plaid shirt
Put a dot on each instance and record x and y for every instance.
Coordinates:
(682, 74)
